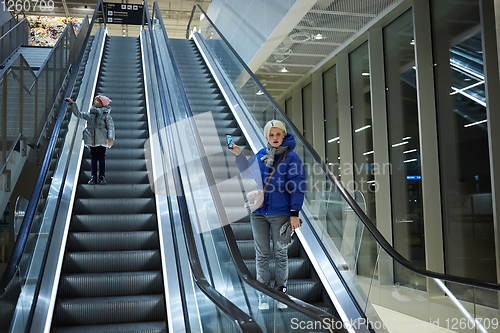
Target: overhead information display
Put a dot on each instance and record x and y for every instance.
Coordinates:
(121, 13)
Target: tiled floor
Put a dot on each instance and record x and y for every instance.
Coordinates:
(400, 323)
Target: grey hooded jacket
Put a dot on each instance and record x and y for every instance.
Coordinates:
(100, 125)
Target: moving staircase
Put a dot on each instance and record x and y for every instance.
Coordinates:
(204, 95)
(112, 273)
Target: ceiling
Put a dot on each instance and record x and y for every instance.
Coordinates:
(175, 14)
(323, 29)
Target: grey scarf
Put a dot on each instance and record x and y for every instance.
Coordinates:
(271, 151)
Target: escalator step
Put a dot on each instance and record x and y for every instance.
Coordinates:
(113, 222)
(110, 284)
(119, 261)
(112, 241)
(151, 327)
(109, 310)
(114, 206)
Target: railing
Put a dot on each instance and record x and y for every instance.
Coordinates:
(19, 284)
(27, 98)
(233, 318)
(347, 233)
(12, 35)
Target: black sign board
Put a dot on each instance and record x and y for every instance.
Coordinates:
(122, 13)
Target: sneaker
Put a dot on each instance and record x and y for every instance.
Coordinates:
(282, 305)
(263, 305)
(102, 180)
(92, 181)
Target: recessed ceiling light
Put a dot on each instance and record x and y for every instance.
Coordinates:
(318, 36)
(284, 70)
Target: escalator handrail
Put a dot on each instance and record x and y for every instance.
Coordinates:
(22, 237)
(240, 318)
(358, 211)
(240, 265)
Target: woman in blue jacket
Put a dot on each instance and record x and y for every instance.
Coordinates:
(283, 199)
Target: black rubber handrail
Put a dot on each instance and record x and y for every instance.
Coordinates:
(241, 268)
(22, 237)
(358, 211)
(240, 318)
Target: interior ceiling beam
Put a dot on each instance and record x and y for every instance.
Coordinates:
(286, 65)
(301, 55)
(334, 12)
(301, 27)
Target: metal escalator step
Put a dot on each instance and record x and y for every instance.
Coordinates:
(129, 117)
(131, 125)
(113, 222)
(109, 310)
(112, 261)
(114, 206)
(132, 107)
(305, 289)
(110, 284)
(112, 241)
(127, 134)
(151, 327)
(298, 268)
(123, 98)
(122, 164)
(115, 191)
(120, 153)
(129, 143)
(119, 177)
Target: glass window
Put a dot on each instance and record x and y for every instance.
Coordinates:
(331, 112)
(359, 67)
(308, 134)
(404, 144)
(307, 112)
(288, 107)
(463, 140)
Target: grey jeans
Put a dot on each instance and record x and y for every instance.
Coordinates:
(264, 226)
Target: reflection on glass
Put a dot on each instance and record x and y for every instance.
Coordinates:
(407, 208)
(463, 140)
(331, 112)
(364, 190)
(362, 128)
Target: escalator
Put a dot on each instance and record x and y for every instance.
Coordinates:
(111, 274)
(204, 95)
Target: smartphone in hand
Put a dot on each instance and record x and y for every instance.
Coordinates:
(229, 141)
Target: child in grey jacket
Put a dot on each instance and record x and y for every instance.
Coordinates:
(98, 135)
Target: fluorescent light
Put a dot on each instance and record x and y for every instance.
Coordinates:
(330, 163)
(334, 139)
(412, 160)
(284, 70)
(370, 182)
(259, 93)
(365, 74)
(478, 101)
(368, 153)
(407, 138)
(409, 151)
(466, 88)
(400, 144)
(362, 128)
(476, 123)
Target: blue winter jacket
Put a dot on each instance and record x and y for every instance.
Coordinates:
(287, 187)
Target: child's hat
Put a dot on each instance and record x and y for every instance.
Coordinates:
(105, 100)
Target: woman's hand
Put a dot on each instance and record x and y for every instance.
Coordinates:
(294, 222)
(110, 143)
(69, 100)
(235, 150)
